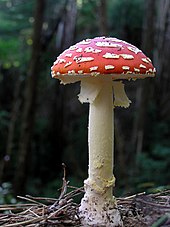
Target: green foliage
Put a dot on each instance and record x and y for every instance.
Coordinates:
(53, 188)
(153, 163)
(153, 167)
(125, 19)
(6, 195)
(87, 20)
(15, 28)
(77, 149)
(7, 50)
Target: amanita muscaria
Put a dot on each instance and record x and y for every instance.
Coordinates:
(101, 64)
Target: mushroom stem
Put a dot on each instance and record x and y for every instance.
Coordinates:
(100, 138)
(98, 207)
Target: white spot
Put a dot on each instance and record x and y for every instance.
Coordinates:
(84, 42)
(150, 71)
(109, 67)
(79, 50)
(142, 66)
(83, 59)
(136, 70)
(109, 55)
(73, 47)
(149, 59)
(95, 73)
(134, 49)
(71, 72)
(125, 67)
(92, 50)
(97, 51)
(88, 50)
(80, 71)
(129, 72)
(94, 68)
(60, 60)
(100, 37)
(113, 40)
(154, 70)
(127, 56)
(68, 55)
(145, 60)
(67, 64)
(56, 62)
(108, 44)
(53, 73)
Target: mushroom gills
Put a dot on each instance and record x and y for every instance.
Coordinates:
(69, 80)
(120, 97)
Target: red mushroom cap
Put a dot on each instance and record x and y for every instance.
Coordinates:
(100, 56)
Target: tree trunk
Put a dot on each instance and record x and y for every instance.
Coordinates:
(69, 24)
(59, 108)
(143, 93)
(161, 58)
(103, 26)
(30, 100)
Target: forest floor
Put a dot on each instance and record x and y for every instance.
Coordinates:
(139, 210)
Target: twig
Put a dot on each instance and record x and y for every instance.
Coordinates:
(31, 200)
(152, 204)
(65, 183)
(70, 194)
(57, 211)
(15, 206)
(165, 192)
(24, 222)
(42, 198)
(132, 196)
(36, 214)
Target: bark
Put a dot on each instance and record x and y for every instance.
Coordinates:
(69, 24)
(61, 94)
(156, 44)
(143, 93)
(103, 26)
(161, 58)
(30, 100)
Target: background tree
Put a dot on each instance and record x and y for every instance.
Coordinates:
(157, 159)
(103, 19)
(29, 105)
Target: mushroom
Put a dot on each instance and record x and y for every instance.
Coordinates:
(101, 64)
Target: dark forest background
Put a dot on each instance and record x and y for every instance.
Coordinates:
(42, 123)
